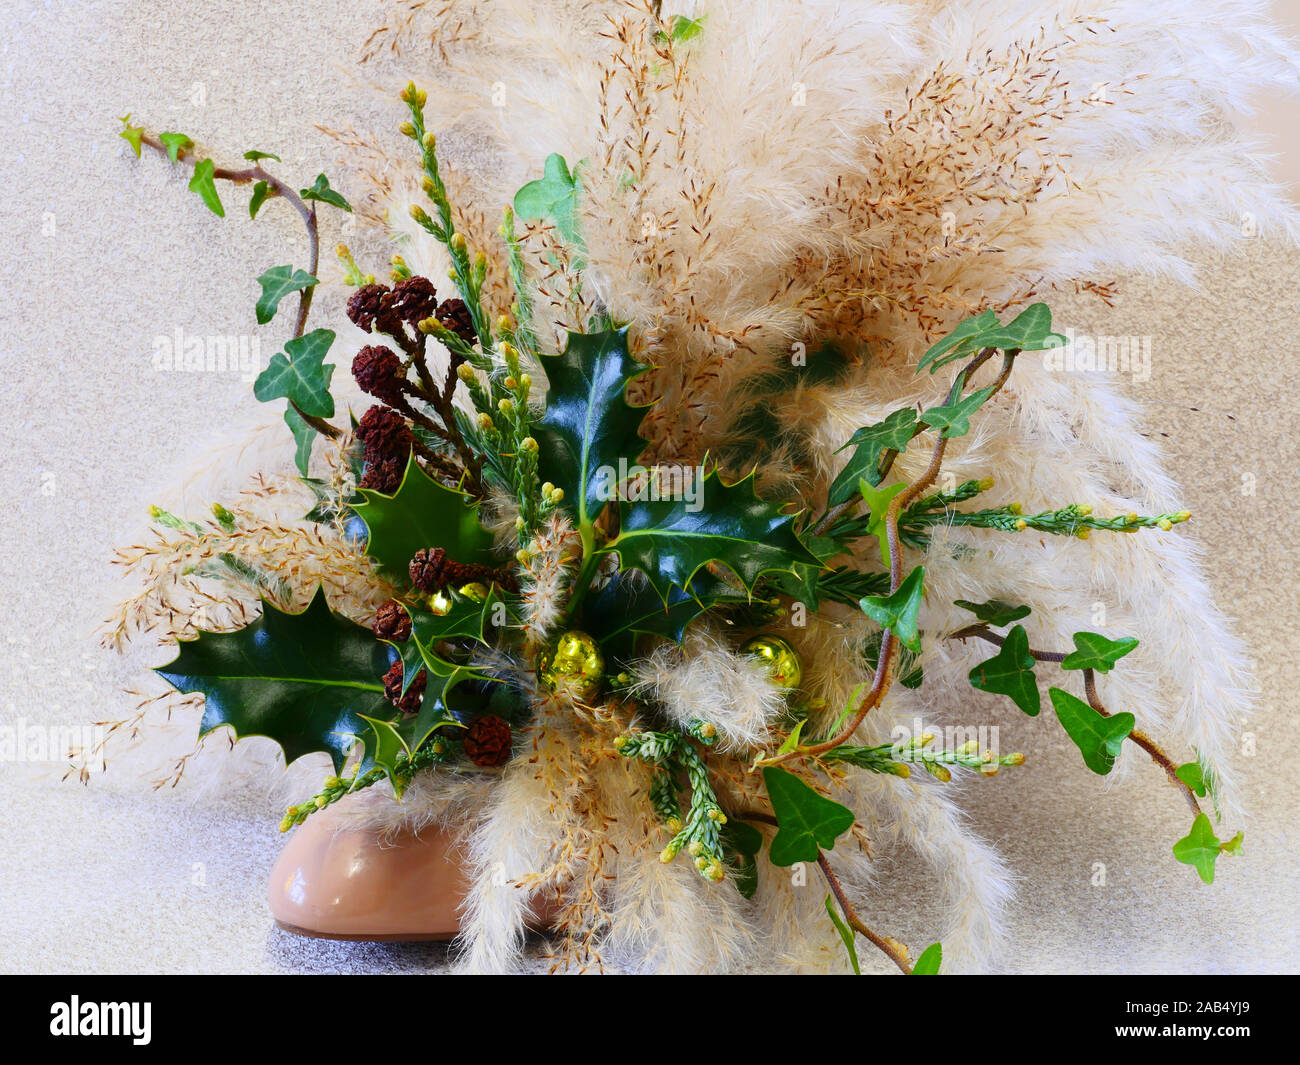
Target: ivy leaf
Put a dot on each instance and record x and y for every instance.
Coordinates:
(133, 135)
(304, 436)
(174, 142)
(846, 934)
(995, 612)
(1201, 847)
(877, 501)
(321, 191)
(1098, 737)
(871, 441)
(299, 374)
(954, 418)
(204, 183)
(681, 29)
(809, 822)
(260, 192)
(671, 540)
(553, 197)
(1010, 672)
(277, 283)
(1191, 774)
(253, 155)
(961, 341)
(899, 612)
(929, 962)
(742, 843)
(421, 513)
(1094, 651)
(589, 426)
(305, 680)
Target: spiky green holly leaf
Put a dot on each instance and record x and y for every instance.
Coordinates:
(953, 419)
(205, 184)
(961, 341)
(465, 619)
(1200, 848)
(277, 283)
(133, 135)
(299, 374)
(629, 605)
(671, 540)
(322, 192)
(1191, 774)
(554, 198)
(589, 426)
(995, 612)
(1010, 672)
(421, 513)
(253, 155)
(929, 962)
(871, 441)
(305, 680)
(386, 750)
(1094, 651)
(741, 844)
(260, 192)
(304, 436)
(846, 935)
(1098, 737)
(809, 822)
(174, 142)
(899, 611)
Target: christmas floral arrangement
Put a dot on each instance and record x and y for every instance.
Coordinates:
(680, 489)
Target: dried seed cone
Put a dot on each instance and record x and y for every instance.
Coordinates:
(487, 741)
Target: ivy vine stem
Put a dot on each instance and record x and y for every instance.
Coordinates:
(279, 188)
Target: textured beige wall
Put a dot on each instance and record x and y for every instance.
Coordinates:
(103, 254)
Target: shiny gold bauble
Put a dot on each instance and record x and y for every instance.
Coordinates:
(574, 665)
(779, 659)
(474, 591)
(439, 603)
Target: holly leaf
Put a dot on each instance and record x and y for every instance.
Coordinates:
(1010, 672)
(1094, 651)
(954, 418)
(277, 283)
(260, 191)
(899, 611)
(871, 441)
(322, 192)
(1191, 774)
(929, 962)
(253, 155)
(465, 619)
(304, 680)
(961, 341)
(304, 436)
(1097, 736)
(809, 822)
(204, 183)
(995, 612)
(589, 427)
(553, 197)
(671, 540)
(133, 135)
(1200, 848)
(421, 513)
(174, 142)
(299, 374)
(846, 935)
(629, 605)
(386, 750)
(742, 842)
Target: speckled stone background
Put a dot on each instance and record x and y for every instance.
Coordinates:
(103, 253)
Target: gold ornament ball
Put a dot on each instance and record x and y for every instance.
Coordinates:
(574, 664)
(779, 659)
(439, 603)
(474, 591)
